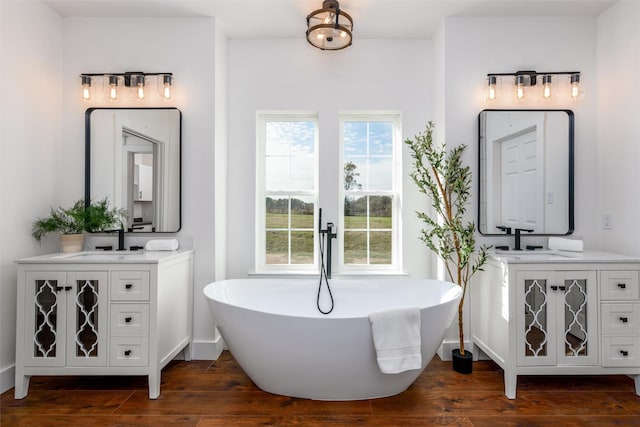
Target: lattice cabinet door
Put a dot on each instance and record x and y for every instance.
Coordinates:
(45, 318)
(557, 318)
(577, 337)
(66, 318)
(87, 321)
(535, 318)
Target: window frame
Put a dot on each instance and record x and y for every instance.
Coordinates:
(262, 117)
(395, 193)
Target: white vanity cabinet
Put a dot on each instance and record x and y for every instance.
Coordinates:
(558, 313)
(105, 313)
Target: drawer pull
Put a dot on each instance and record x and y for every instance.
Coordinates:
(129, 319)
(622, 285)
(127, 352)
(67, 288)
(59, 288)
(624, 319)
(128, 286)
(625, 353)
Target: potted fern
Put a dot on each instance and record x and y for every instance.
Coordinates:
(72, 222)
(442, 176)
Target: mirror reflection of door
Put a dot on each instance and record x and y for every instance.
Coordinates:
(140, 180)
(521, 183)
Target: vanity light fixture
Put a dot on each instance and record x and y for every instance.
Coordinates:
(329, 28)
(522, 79)
(136, 81)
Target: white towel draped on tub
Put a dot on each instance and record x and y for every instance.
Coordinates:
(396, 337)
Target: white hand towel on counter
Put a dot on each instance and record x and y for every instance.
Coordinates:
(396, 337)
(563, 244)
(162, 245)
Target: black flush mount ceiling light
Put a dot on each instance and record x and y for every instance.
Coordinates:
(329, 28)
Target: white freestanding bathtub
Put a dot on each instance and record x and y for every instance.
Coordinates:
(286, 346)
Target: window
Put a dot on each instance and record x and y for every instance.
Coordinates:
(287, 190)
(365, 150)
(370, 202)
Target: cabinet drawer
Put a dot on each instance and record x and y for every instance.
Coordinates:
(130, 285)
(619, 285)
(620, 351)
(621, 319)
(129, 351)
(129, 320)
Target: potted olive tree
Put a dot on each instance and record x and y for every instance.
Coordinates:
(443, 177)
(72, 222)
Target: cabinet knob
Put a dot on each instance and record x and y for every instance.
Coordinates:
(625, 353)
(59, 288)
(128, 319)
(624, 319)
(128, 286)
(622, 285)
(127, 352)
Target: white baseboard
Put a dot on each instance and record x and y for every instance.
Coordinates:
(7, 378)
(444, 352)
(207, 350)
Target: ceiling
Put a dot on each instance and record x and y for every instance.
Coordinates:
(286, 18)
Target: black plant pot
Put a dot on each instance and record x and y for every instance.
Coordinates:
(462, 364)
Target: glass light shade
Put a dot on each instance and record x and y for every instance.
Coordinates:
(140, 87)
(86, 88)
(492, 88)
(113, 87)
(329, 28)
(520, 87)
(166, 83)
(575, 86)
(546, 86)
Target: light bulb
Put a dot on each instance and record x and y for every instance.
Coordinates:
(113, 87)
(166, 86)
(546, 86)
(86, 88)
(575, 86)
(140, 87)
(520, 87)
(492, 88)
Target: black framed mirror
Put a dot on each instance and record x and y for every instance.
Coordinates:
(133, 157)
(526, 171)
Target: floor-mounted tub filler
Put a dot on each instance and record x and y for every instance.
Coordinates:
(286, 346)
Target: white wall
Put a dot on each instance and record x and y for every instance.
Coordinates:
(289, 74)
(618, 120)
(474, 47)
(30, 75)
(187, 48)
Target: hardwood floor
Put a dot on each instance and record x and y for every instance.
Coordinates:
(207, 394)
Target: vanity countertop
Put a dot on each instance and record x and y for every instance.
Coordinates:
(558, 257)
(105, 257)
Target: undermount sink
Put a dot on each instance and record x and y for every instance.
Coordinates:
(98, 254)
(544, 254)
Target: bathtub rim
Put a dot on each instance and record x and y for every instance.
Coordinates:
(454, 293)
